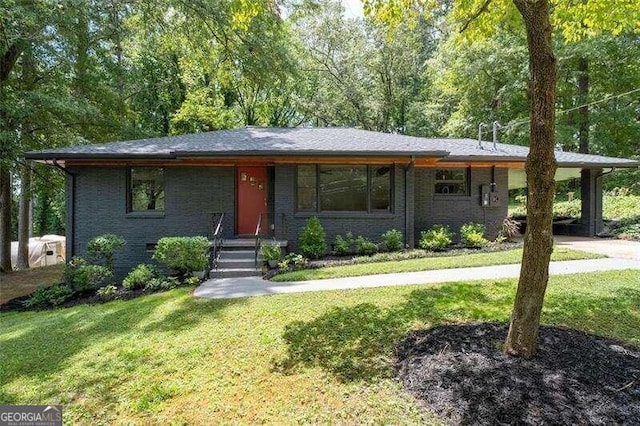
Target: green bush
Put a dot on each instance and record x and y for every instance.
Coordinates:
(436, 238)
(49, 296)
(297, 260)
(342, 246)
(392, 240)
(183, 254)
(102, 248)
(365, 247)
(139, 277)
(82, 277)
(312, 239)
(270, 251)
(107, 290)
(157, 284)
(472, 235)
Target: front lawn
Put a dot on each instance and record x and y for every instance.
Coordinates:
(319, 357)
(426, 264)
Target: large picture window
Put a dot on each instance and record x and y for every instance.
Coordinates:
(146, 189)
(452, 182)
(343, 188)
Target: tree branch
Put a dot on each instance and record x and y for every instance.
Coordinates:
(475, 16)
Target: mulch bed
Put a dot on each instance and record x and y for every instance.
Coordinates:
(460, 373)
(18, 304)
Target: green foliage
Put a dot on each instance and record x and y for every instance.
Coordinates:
(292, 259)
(312, 239)
(161, 283)
(392, 240)
(343, 246)
(365, 247)
(107, 291)
(472, 235)
(102, 248)
(182, 254)
(271, 251)
(54, 295)
(139, 277)
(82, 277)
(436, 238)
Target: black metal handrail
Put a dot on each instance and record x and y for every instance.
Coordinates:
(257, 236)
(216, 247)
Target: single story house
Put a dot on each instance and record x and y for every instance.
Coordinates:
(353, 180)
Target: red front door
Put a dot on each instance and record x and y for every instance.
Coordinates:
(252, 198)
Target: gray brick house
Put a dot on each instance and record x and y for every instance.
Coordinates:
(352, 180)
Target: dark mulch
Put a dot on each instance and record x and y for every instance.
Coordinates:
(460, 373)
(18, 304)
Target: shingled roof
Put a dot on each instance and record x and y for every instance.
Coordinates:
(321, 142)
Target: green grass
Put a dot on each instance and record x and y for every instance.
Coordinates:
(425, 264)
(613, 207)
(319, 357)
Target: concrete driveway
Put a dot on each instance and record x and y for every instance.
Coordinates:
(619, 249)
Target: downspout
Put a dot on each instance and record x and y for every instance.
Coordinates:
(72, 218)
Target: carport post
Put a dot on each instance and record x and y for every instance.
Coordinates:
(591, 194)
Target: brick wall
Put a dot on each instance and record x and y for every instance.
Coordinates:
(191, 195)
(289, 223)
(431, 209)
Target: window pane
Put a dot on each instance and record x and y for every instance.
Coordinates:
(147, 189)
(343, 188)
(451, 181)
(307, 188)
(381, 188)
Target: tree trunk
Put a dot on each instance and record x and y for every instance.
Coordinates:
(583, 95)
(5, 219)
(540, 167)
(22, 262)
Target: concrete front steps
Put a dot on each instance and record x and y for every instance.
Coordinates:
(237, 259)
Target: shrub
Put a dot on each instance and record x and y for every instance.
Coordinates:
(436, 238)
(271, 251)
(365, 246)
(312, 239)
(45, 296)
(102, 248)
(160, 283)
(107, 290)
(510, 228)
(297, 260)
(472, 235)
(392, 240)
(139, 277)
(82, 277)
(342, 246)
(183, 254)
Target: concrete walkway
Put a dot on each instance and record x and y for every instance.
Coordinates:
(620, 249)
(230, 288)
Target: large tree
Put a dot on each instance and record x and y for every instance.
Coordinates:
(536, 16)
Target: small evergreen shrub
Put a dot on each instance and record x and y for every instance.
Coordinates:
(392, 240)
(139, 277)
(342, 246)
(102, 248)
(157, 284)
(365, 246)
(82, 277)
(183, 254)
(436, 238)
(55, 295)
(472, 235)
(312, 239)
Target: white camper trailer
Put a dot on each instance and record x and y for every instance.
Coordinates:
(43, 251)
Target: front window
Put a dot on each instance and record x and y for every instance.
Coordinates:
(146, 189)
(344, 188)
(451, 182)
